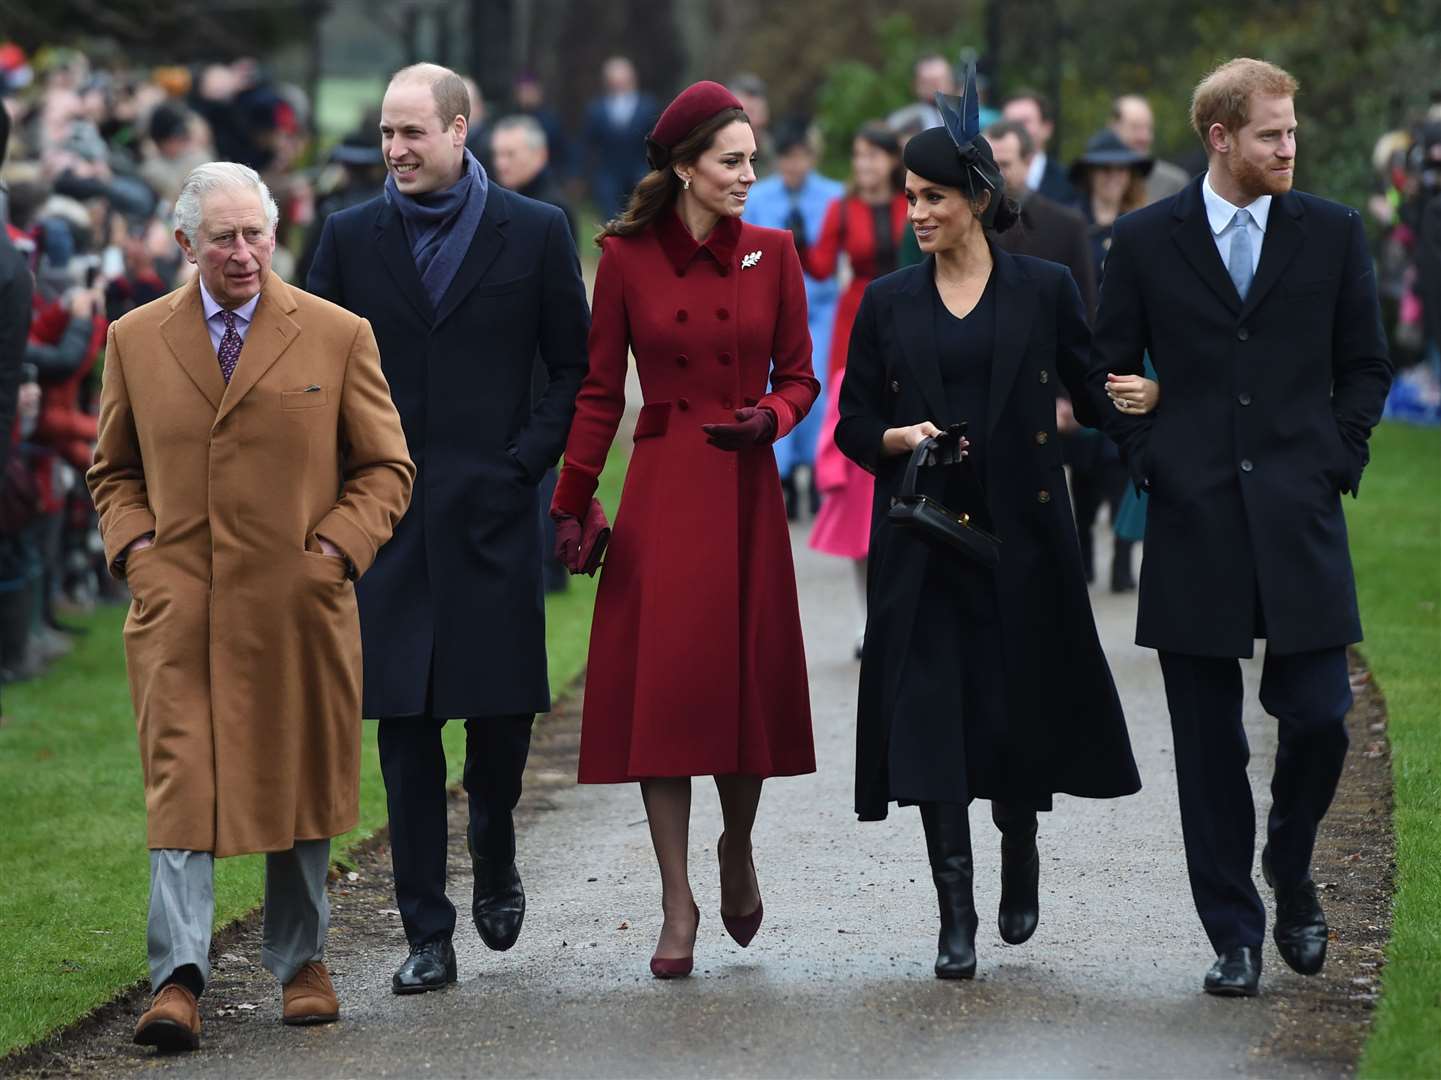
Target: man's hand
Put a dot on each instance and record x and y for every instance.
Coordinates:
(327, 548)
(140, 543)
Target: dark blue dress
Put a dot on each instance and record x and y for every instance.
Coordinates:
(956, 666)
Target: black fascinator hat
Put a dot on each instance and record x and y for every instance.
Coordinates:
(956, 154)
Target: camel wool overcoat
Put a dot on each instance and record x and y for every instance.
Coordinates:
(243, 642)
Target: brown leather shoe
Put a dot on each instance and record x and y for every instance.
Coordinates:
(310, 996)
(172, 1023)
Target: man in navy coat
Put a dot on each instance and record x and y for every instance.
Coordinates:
(465, 284)
(616, 124)
(1258, 305)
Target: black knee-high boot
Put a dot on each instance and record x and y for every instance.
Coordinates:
(1020, 872)
(948, 842)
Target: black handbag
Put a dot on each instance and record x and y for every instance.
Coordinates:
(935, 522)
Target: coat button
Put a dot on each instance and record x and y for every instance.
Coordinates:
(1042, 438)
(725, 359)
(1043, 496)
(681, 315)
(895, 386)
(682, 404)
(722, 314)
(1045, 376)
(1244, 399)
(1243, 334)
(681, 360)
(1246, 465)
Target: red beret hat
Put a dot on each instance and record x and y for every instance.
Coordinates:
(692, 107)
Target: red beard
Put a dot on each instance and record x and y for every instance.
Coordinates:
(1256, 181)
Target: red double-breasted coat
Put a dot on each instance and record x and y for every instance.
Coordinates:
(696, 661)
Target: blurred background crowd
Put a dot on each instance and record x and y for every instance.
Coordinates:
(95, 145)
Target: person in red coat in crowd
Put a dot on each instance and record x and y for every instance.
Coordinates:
(65, 344)
(696, 666)
(867, 226)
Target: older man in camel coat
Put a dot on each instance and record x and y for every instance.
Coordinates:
(250, 464)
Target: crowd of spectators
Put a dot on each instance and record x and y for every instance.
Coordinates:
(1406, 210)
(92, 159)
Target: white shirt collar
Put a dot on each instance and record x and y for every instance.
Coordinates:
(245, 312)
(1037, 171)
(1219, 211)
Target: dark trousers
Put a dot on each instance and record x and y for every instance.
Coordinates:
(412, 760)
(1102, 483)
(1309, 694)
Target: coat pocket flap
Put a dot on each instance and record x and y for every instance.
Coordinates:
(653, 420)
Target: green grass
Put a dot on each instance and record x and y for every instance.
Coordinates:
(73, 872)
(1396, 543)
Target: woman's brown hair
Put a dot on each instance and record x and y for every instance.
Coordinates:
(1134, 197)
(878, 134)
(657, 191)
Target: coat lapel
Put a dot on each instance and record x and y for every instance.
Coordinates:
(1015, 311)
(186, 335)
(916, 330)
(1283, 240)
(1193, 236)
(396, 257)
(487, 243)
(270, 334)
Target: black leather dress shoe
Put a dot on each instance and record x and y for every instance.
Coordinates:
(1236, 973)
(497, 903)
(1300, 931)
(430, 966)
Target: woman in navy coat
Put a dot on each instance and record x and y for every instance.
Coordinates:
(696, 663)
(976, 683)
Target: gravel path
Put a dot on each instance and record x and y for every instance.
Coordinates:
(837, 983)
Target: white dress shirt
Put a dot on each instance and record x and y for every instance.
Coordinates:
(1219, 213)
(621, 107)
(1036, 173)
(216, 324)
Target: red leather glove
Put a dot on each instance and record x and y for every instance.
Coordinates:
(753, 427)
(580, 545)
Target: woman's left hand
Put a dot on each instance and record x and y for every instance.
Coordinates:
(1134, 395)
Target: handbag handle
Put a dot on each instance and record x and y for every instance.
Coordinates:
(919, 455)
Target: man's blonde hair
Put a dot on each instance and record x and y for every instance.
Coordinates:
(1224, 96)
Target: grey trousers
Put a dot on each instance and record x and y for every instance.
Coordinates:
(182, 910)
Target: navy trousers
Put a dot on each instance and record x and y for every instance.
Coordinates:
(412, 760)
(1309, 694)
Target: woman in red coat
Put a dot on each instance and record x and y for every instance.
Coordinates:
(696, 663)
(867, 226)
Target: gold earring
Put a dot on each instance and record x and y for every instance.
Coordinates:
(685, 183)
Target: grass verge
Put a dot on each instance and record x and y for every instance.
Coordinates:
(1396, 545)
(72, 847)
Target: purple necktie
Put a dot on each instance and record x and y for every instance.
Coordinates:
(229, 351)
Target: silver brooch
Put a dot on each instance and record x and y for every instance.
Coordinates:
(750, 260)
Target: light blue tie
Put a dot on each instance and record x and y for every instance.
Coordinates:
(1241, 263)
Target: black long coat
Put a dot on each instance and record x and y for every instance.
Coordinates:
(1064, 716)
(1266, 409)
(457, 591)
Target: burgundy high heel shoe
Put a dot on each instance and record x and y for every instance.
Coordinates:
(741, 928)
(675, 967)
